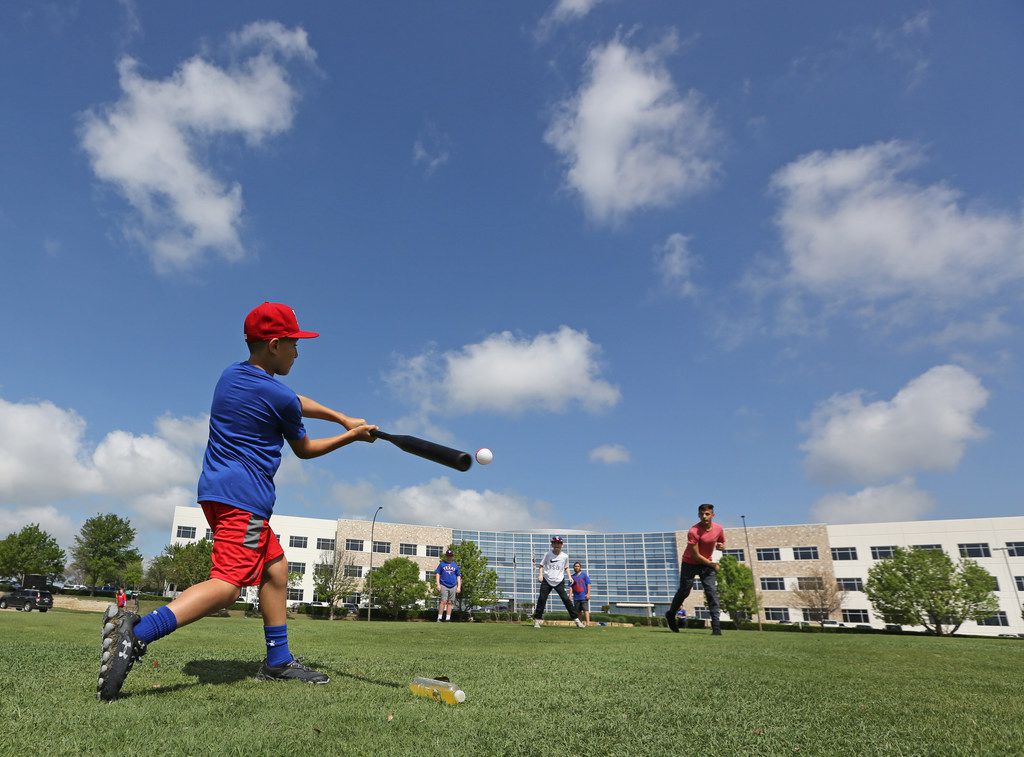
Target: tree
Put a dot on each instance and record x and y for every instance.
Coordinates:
(820, 593)
(924, 587)
(103, 548)
(334, 578)
(182, 565)
(396, 584)
(31, 550)
(131, 576)
(479, 583)
(736, 591)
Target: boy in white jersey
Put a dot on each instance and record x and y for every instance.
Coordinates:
(554, 569)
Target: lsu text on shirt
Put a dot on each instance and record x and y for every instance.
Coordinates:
(251, 416)
(554, 567)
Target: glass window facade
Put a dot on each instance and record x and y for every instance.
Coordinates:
(298, 542)
(433, 551)
(406, 549)
(325, 545)
(354, 545)
(1015, 549)
(634, 568)
(805, 553)
(850, 584)
(882, 553)
(186, 532)
(855, 616)
(773, 584)
(769, 553)
(297, 567)
(844, 553)
(737, 553)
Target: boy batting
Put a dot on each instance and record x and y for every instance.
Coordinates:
(251, 417)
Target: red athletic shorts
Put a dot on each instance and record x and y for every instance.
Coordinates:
(243, 544)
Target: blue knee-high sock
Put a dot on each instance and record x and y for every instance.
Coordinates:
(156, 625)
(277, 645)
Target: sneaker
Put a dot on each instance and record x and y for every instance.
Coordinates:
(673, 626)
(290, 671)
(716, 632)
(119, 652)
(537, 623)
(579, 623)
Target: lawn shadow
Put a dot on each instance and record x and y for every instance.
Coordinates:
(207, 672)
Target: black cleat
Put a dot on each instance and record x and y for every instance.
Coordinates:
(673, 626)
(119, 652)
(290, 671)
(716, 632)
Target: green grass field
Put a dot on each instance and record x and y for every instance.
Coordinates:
(595, 691)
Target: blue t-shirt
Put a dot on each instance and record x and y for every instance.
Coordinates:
(580, 584)
(251, 416)
(449, 573)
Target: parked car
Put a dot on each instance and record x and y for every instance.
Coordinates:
(27, 600)
(349, 607)
(831, 624)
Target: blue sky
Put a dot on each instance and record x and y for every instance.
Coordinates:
(652, 254)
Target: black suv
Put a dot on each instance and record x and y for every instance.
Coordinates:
(27, 600)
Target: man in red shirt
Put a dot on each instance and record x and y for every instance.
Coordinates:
(701, 541)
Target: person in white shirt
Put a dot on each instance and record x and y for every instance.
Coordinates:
(554, 569)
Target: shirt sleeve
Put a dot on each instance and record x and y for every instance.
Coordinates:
(458, 570)
(437, 569)
(691, 537)
(290, 413)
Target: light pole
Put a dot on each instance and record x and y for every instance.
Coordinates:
(1013, 580)
(750, 556)
(369, 604)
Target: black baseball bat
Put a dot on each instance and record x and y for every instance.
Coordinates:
(432, 451)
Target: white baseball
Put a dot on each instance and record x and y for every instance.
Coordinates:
(484, 456)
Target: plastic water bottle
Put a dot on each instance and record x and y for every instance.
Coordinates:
(441, 691)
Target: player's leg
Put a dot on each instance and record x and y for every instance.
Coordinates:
(280, 665)
(200, 600)
(542, 600)
(686, 574)
(709, 577)
(564, 596)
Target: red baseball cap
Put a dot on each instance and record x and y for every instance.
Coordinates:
(274, 320)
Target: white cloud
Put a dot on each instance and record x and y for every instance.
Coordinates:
(44, 458)
(675, 264)
(895, 502)
(904, 45)
(439, 502)
(926, 426)
(49, 518)
(562, 12)
(432, 149)
(610, 454)
(852, 228)
(148, 144)
(628, 138)
(507, 374)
